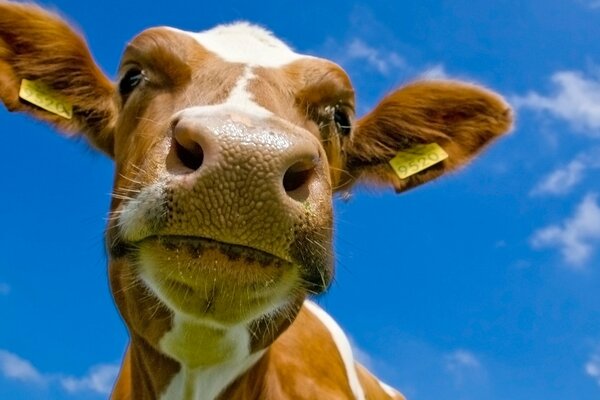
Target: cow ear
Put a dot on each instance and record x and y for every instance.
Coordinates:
(455, 120)
(46, 70)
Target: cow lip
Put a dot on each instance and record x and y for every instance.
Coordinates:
(199, 276)
(234, 250)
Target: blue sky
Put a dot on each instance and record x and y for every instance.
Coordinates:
(480, 286)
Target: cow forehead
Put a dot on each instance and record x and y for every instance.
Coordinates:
(225, 48)
(246, 44)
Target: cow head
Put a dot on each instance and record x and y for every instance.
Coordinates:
(228, 149)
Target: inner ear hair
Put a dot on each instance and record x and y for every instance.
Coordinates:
(461, 118)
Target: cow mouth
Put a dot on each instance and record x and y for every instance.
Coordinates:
(214, 280)
(195, 247)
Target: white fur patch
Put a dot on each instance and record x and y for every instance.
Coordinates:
(186, 339)
(246, 44)
(343, 345)
(242, 99)
(390, 391)
(134, 216)
(206, 382)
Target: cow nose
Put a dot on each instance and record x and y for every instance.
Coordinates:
(291, 158)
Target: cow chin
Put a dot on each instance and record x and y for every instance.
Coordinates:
(216, 282)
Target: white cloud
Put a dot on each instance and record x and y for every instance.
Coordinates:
(462, 365)
(14, 367)
(437, 71)
(356, 50)
(576, 236)
(576, 99)
(592, 367)
(369, 47)
(4, 288)
(563, 179)
(461, 359)
(380, 60)
(100, 379)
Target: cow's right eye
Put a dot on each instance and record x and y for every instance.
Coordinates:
(131, 80)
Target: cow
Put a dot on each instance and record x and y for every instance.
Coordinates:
(229, 148)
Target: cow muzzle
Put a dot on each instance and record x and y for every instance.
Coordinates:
(238, 220)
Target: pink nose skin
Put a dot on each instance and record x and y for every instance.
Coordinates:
(284, 156)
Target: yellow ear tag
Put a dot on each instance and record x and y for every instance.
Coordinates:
(38, 94)
(419, 157)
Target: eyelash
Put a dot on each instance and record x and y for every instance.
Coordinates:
(342, 121)
(339, 117)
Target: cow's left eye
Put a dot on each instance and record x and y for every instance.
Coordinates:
(131, 80)
(342, 121)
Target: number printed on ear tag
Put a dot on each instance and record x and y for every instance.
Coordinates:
(38, 94)
(419, 157)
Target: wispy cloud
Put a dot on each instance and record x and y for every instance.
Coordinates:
(380, 60)
(99, 379)
(4, 288)
(592, 367)
(576, 236)
(462, 364)
(563, 179)
(575, 99)
(357, 52)
(368, 48)
(437, 71)
(14, 367)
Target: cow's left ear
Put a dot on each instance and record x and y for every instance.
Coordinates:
(458, 118)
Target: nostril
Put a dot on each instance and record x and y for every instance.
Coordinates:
(190, 154)
(187, 153)
(298, 175)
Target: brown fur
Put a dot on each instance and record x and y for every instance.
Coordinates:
(461, 118)
(282, 374)
(301, 359)
(39, 46)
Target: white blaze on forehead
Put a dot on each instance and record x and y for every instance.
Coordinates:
(246, 44)
(241, 98)
(240, 101)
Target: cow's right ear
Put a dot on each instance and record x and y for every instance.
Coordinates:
(40, 47)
